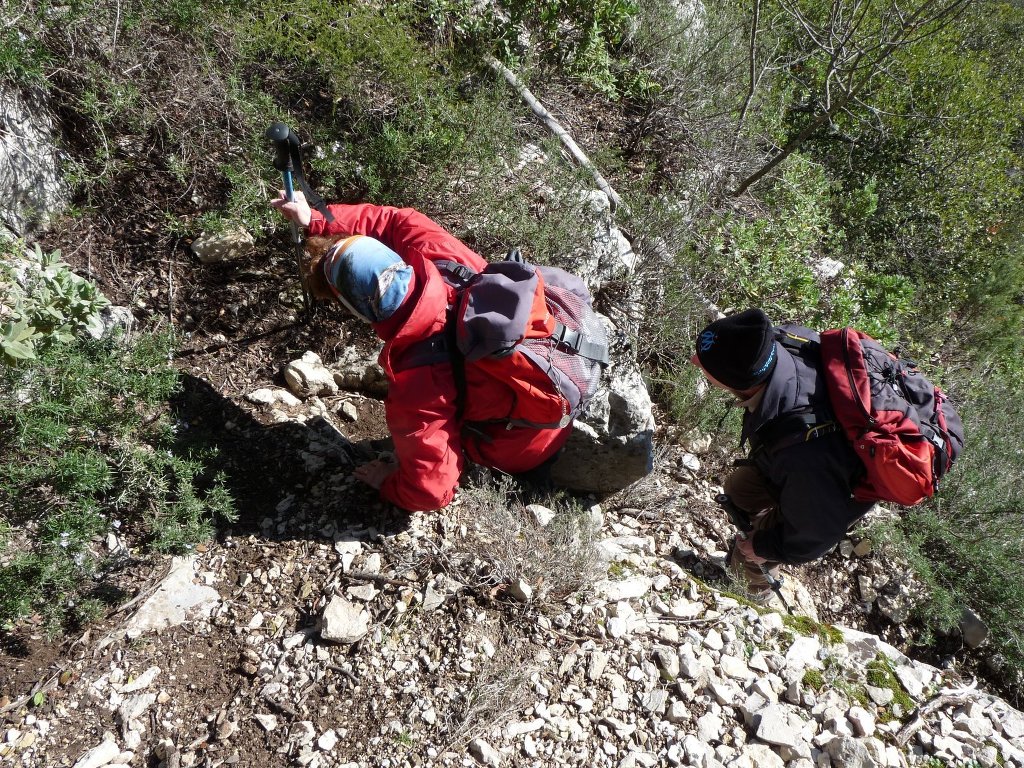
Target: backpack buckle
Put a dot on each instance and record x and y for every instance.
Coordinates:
(567, 337)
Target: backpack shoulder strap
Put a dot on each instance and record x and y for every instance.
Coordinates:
(799, 427)
(455, 274)
(790, 429)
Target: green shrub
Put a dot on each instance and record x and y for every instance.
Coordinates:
(22, 58)
(42, 302)
(89, 449)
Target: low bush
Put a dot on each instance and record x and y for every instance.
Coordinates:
(89, 449)
(42, 302)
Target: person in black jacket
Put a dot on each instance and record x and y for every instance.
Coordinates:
(795, 486)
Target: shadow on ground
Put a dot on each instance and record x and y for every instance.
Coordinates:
(270, 468)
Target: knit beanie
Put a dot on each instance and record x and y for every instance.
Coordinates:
(369, 278)
(739, 350)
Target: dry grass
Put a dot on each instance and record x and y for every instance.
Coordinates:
(499, 543)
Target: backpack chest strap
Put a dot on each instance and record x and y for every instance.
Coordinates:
(576, 342)
(786, 431)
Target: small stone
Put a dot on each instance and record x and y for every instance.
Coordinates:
(99, 755)
(678, 712)
(974, 630)
(626, 589)
(868, 593)
(540, 514)
(267, 722)
(327, 741)
(484, 753)
(880, 696)
(344, 621)
(862, 721)
(709, 728)
(226, 729)
(520, 591)
(690, 462)
(654, 701)
(142, 681)
(596, 667)
(363, 592)
(223, 246)
(862, 548)
(667, 660)
(848, 752)
(713, 640)
(780, 725)
(735, 668)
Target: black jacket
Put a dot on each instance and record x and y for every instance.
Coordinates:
(813, 479)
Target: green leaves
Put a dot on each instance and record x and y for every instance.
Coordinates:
(88, 447)
(50, 304)
(17, 340)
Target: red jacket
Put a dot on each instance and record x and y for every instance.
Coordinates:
(421, 402)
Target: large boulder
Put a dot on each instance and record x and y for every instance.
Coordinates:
(612, 441)
(32, 187)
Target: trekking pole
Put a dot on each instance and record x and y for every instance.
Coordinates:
(744, 528)
(286, 144)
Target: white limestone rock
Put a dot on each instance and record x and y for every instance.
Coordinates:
(229, 245)
(308, 377)
(344, 622)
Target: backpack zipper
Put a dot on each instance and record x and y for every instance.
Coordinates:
(849, 375)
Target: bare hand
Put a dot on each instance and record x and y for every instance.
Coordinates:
(375, 472)
(296, 210)
(746, 549)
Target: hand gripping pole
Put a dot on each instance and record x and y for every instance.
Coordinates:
(287, 157)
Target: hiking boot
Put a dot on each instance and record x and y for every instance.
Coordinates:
(756, 586)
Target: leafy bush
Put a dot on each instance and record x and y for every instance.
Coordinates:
(89, 449)
(42, 303)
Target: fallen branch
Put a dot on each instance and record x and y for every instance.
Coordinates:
(945, 698)
(556, 128)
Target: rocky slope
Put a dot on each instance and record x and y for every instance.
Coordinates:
(339, 633)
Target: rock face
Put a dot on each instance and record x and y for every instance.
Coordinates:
(31, 184)
(612, 443)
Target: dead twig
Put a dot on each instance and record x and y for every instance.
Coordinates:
(379, 578)
(556, 128)
(944, 699)
(346, 673)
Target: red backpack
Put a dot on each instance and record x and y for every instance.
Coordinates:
(904, 429)
(531, 327)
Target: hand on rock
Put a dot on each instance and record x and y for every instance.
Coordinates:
(375, 472)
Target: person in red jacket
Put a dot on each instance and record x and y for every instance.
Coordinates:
(378, 262)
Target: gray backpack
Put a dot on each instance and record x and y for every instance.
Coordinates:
(533, 327)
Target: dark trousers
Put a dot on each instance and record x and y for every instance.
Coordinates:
(757, 498)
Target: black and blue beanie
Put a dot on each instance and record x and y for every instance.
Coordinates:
(739, 350)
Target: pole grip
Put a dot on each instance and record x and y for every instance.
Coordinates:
(289, 185)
